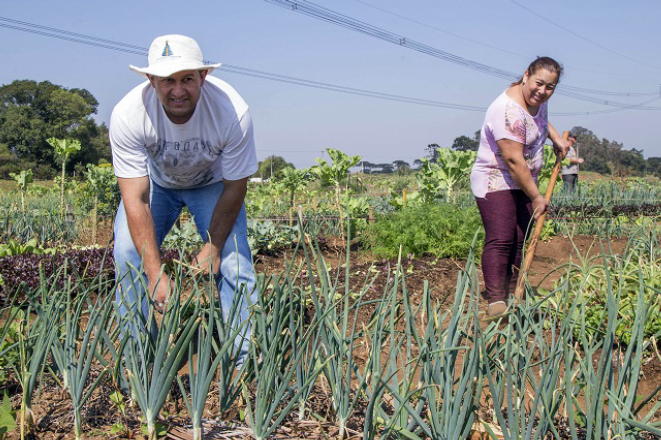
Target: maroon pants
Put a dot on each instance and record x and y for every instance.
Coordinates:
(506, 216)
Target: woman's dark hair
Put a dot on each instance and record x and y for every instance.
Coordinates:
(547, 63)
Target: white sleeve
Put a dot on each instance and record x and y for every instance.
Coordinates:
(239, 157)
(127, 142)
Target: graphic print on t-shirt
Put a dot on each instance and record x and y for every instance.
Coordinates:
(185, 162)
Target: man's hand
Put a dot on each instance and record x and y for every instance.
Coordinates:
(209, 256)
(539, 206)
(160, 288)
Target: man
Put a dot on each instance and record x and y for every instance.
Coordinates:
(182, 138)
(570, 172)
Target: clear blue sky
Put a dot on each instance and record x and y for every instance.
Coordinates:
(299, 122)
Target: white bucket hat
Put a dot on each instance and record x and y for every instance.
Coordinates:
(170, 54)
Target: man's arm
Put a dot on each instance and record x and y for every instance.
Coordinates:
(224, 215)
(135, 196)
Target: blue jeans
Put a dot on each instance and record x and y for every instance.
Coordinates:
(236, 269)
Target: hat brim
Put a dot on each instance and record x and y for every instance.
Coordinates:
(164, 70)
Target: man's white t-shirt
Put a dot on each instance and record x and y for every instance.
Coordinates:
(216, 144)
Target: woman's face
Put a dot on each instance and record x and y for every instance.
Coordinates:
(538, 87)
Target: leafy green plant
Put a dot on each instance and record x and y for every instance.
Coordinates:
(293, 180)
(547, 169)
(152, 355)
(7, 417)
(444, 177)
(31, 247)
(266, 237)
(443, 230)
(120, 427)
(23, 179)
(588, 279)
(37, 190)
(75, 348)
(203, 363)
(185, 237)
(99, 180)
(335, 173)
(12, 317)
(392, 368)
(338, 334)
(63, 149)
(273, 364)
(34, 340)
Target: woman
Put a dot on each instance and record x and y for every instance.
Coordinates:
(504, 176)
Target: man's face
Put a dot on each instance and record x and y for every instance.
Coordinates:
(179, 93)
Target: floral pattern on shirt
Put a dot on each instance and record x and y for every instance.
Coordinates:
(506, 119)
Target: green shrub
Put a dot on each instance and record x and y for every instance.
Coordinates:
(442, 230)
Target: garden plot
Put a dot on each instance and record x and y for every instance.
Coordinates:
(412, 358)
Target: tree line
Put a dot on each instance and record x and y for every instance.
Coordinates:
(32, 112)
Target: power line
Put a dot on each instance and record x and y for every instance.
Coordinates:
(527, 57)
(598, 112)
(127, 48)
(584, 38)
(321, 13)
(137, 50)
(441, 30)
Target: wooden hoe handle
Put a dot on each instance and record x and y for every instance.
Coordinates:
(532, 246)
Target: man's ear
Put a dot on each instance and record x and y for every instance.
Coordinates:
(203, 75)
(152, 80)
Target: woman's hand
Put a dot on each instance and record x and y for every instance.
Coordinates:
(561, 147)
(539, 206)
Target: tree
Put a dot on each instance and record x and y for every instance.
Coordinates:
(432, 152)
(272, 166)
(653, 166)
(607, 157)
(367, 166)
(464, 143)
(7, 162)
(401, 167)
(386, 168)
(32, 112)
(67, 111)
(417, 164)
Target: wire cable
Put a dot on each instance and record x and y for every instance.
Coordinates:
(137, 50)
(584, 38)
(321, 13)
(527, 57)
